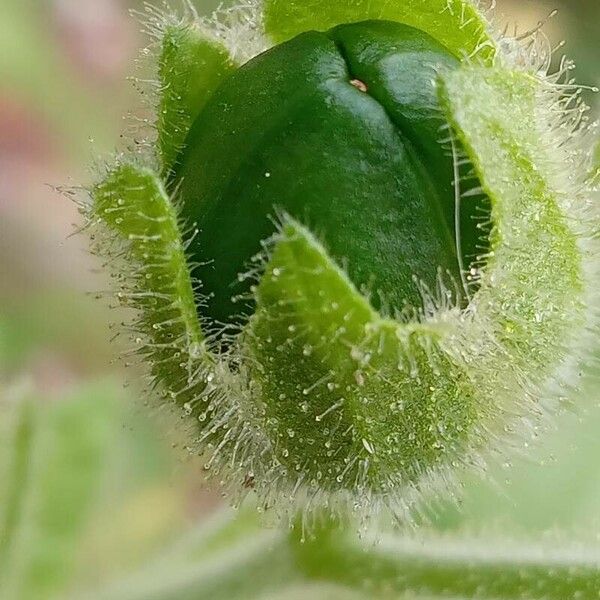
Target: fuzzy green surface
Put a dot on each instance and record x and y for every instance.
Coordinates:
(533, 287)
(190, 68)
(156, 285)
(349, 400)
(378, 404)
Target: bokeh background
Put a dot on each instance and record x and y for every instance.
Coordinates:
(93, 486)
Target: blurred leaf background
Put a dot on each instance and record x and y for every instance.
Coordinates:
(93, 486)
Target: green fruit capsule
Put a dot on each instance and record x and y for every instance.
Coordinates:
(341, 130)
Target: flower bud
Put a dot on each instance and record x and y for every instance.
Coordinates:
(390, 228)
(341, 131)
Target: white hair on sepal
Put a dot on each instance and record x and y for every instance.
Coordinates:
(570, 129)
(467, 188)
(562, 120)
(245, 458)
(129, 282)
(239, 27)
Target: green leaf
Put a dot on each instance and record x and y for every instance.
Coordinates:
(191, 66)
(132, 203)
(18, 425)
(58, 458)
(455, 23)
(348, 399)
(87, 491)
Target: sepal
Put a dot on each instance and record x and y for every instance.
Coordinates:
(458, 24)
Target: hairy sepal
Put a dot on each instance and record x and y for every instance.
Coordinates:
(135, 225)
(458, 24)
(532, 288)
(191, 65)
(350, 400)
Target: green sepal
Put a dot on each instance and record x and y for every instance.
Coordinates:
(349, 399)
(191, 66)
(532, 286)
(157, 284)
(457, 24)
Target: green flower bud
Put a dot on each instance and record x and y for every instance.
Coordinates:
(382, 266)
(340, 130)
